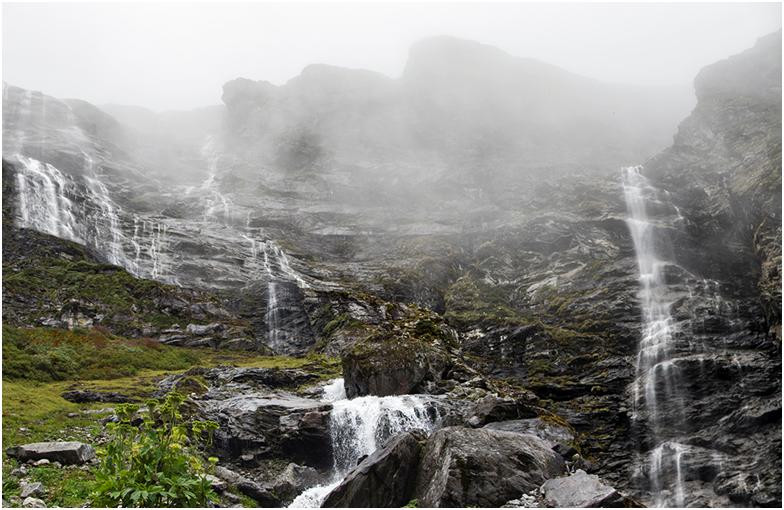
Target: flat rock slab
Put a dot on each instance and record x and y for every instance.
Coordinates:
(65, 452)
(581, 490)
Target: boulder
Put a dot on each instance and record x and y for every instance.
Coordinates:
(393, 366)
(293, 480)
(67, 452)
(203, 329)
(581, 490)
(463, 467)
(31, 489)
(271, 425)
(384, 479)
(33, 503)
(263, 496)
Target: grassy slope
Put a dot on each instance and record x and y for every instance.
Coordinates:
(39, 364)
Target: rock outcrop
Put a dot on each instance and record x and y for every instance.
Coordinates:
(385, 479)
(481, 467)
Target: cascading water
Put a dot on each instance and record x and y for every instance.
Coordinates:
(80, 208)
(657, 392)
(360, 426)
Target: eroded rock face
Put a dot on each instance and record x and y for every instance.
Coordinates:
(384, 479)
(482, 467)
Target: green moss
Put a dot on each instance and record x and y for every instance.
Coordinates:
(412, 504)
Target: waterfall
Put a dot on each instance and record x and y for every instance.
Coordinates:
(656, 391)
(358, 427)
(80, 209)
(44, 199)
(216, 202)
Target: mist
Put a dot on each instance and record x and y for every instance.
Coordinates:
(178, 55)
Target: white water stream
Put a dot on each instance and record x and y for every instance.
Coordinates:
(657, 388)
(358, 427)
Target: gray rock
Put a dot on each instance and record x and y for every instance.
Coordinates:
(262, 495)
(581, 490)
(217, 484)
(384, 479)
(548, 431)
(33, 489)
(67, 452)
(33, 503)
(203, 329)
(293, 480)
(482, 467)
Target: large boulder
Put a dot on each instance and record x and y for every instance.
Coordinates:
(581, 490)
(482, 467)
(384, 479)
(65, 452)
(262, 495)
(393, 366)
(271, 425)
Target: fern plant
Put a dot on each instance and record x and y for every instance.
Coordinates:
(155, 464)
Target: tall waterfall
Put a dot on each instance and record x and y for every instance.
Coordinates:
(358, 427)
(80, 208)
(657, 391)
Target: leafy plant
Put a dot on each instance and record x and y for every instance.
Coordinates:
(156, 464)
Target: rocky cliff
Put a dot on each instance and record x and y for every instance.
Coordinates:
(470, 260)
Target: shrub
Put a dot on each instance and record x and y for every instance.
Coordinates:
(156, 464)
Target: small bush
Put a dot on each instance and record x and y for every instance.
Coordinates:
(156, 464)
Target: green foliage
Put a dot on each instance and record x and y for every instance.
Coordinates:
(42, 354)
(412, 504)
(156, 464)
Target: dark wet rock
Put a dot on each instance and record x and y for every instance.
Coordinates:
(482, 467)
(293, 480)
(278, 425)
(581, 490)
(82, 396)
(263, 496)
(69, 452)
(492, 408)
(384, 479)
(412, 356)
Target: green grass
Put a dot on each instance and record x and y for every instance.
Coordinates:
(39, 364)
(42, 354)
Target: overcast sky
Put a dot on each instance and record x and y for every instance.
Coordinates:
(178, 55)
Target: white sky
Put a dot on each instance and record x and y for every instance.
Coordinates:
(178, 55)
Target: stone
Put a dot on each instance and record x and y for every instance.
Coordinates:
(33, 489)
(549, 431)
(84, 396)
(262, 495)
(385, 478)
(217, 484)
(66, 452)
(41, 462)
(203, 329)
(293, 480)
(463, 467)
(581, 490)
(33, 503)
